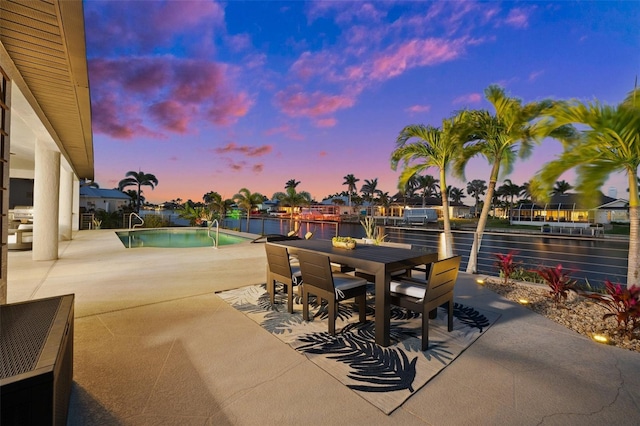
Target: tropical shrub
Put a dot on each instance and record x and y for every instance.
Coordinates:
(195, 215)
(155, 221)
(623, 304)
(522, 274)
(559, 282)
(108, 220)
(506, 264)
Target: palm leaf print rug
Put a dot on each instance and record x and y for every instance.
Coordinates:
(384, 376)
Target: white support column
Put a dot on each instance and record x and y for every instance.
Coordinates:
(46, 190)
(75, 218)
(66, 204)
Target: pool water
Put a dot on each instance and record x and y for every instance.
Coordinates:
(175, 238)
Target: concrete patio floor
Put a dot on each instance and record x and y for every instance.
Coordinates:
(154, 344)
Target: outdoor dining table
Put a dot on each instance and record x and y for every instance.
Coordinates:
(378, 261)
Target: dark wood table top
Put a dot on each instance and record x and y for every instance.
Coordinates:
(363, 253)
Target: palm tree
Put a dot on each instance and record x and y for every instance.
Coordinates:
(350, 180)
(247, 201)
(138, 179)
(429, 186)
(369, 191)
(455, 194)
(476, 188)
(433, 147)
(509, 191)
(292, 198)
(216, 204)
(561, 187)
(496, 137)
(195, 215)
(610, 143)
(133, 195)
(291, 183)
(385, 200)
(526, 191)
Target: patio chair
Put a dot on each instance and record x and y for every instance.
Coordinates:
(20, 238)
(321, 281)
(280, 269)
(426, 296)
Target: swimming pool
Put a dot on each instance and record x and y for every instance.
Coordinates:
(175, 238)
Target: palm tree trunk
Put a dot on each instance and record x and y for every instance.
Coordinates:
(633, 268)
(472, 266)
(448, 236)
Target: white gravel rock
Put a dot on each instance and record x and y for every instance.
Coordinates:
(577, 313)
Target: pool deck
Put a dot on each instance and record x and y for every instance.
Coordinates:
(154, 344)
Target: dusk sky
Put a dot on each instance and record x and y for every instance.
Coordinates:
(217, 96)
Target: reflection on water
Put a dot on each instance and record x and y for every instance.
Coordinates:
(592, 259)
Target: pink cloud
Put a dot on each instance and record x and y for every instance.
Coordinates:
(471, 98)
(310, 64)
(166, 90)
(227, 108)
(534, 75)
(275, 130)
(196, 81)
(117, 118)
(490, 13)
(323, 154)
(139, 26)
(239, 42)
(285, 129)
(399, 58)
(296, 103)
(257, 168)
(360, 11)
(326, 122)
(519, 17)
(171, 115)
(173, 16)
(249, 151)
(347, 12)
(418, 108)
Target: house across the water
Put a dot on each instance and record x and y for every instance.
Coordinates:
(570, 211)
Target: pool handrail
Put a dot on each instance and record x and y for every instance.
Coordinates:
(135, 224)
(215, 241)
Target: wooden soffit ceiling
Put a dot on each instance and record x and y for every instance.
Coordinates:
(45, 39)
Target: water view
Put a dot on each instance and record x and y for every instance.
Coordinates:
(586, 259)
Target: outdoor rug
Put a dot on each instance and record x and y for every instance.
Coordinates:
(386, 377)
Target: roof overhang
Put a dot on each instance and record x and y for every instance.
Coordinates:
(43, 51)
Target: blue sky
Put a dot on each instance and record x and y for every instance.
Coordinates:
(217, 96)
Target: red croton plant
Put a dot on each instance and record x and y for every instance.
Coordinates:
(623, 304)
(559, 282)
(506, 264)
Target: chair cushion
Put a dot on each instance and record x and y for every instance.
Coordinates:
(295, 271)
(408, 289)
(343, 282)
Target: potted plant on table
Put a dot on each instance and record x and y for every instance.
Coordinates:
(372, 232)
(344, 242)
